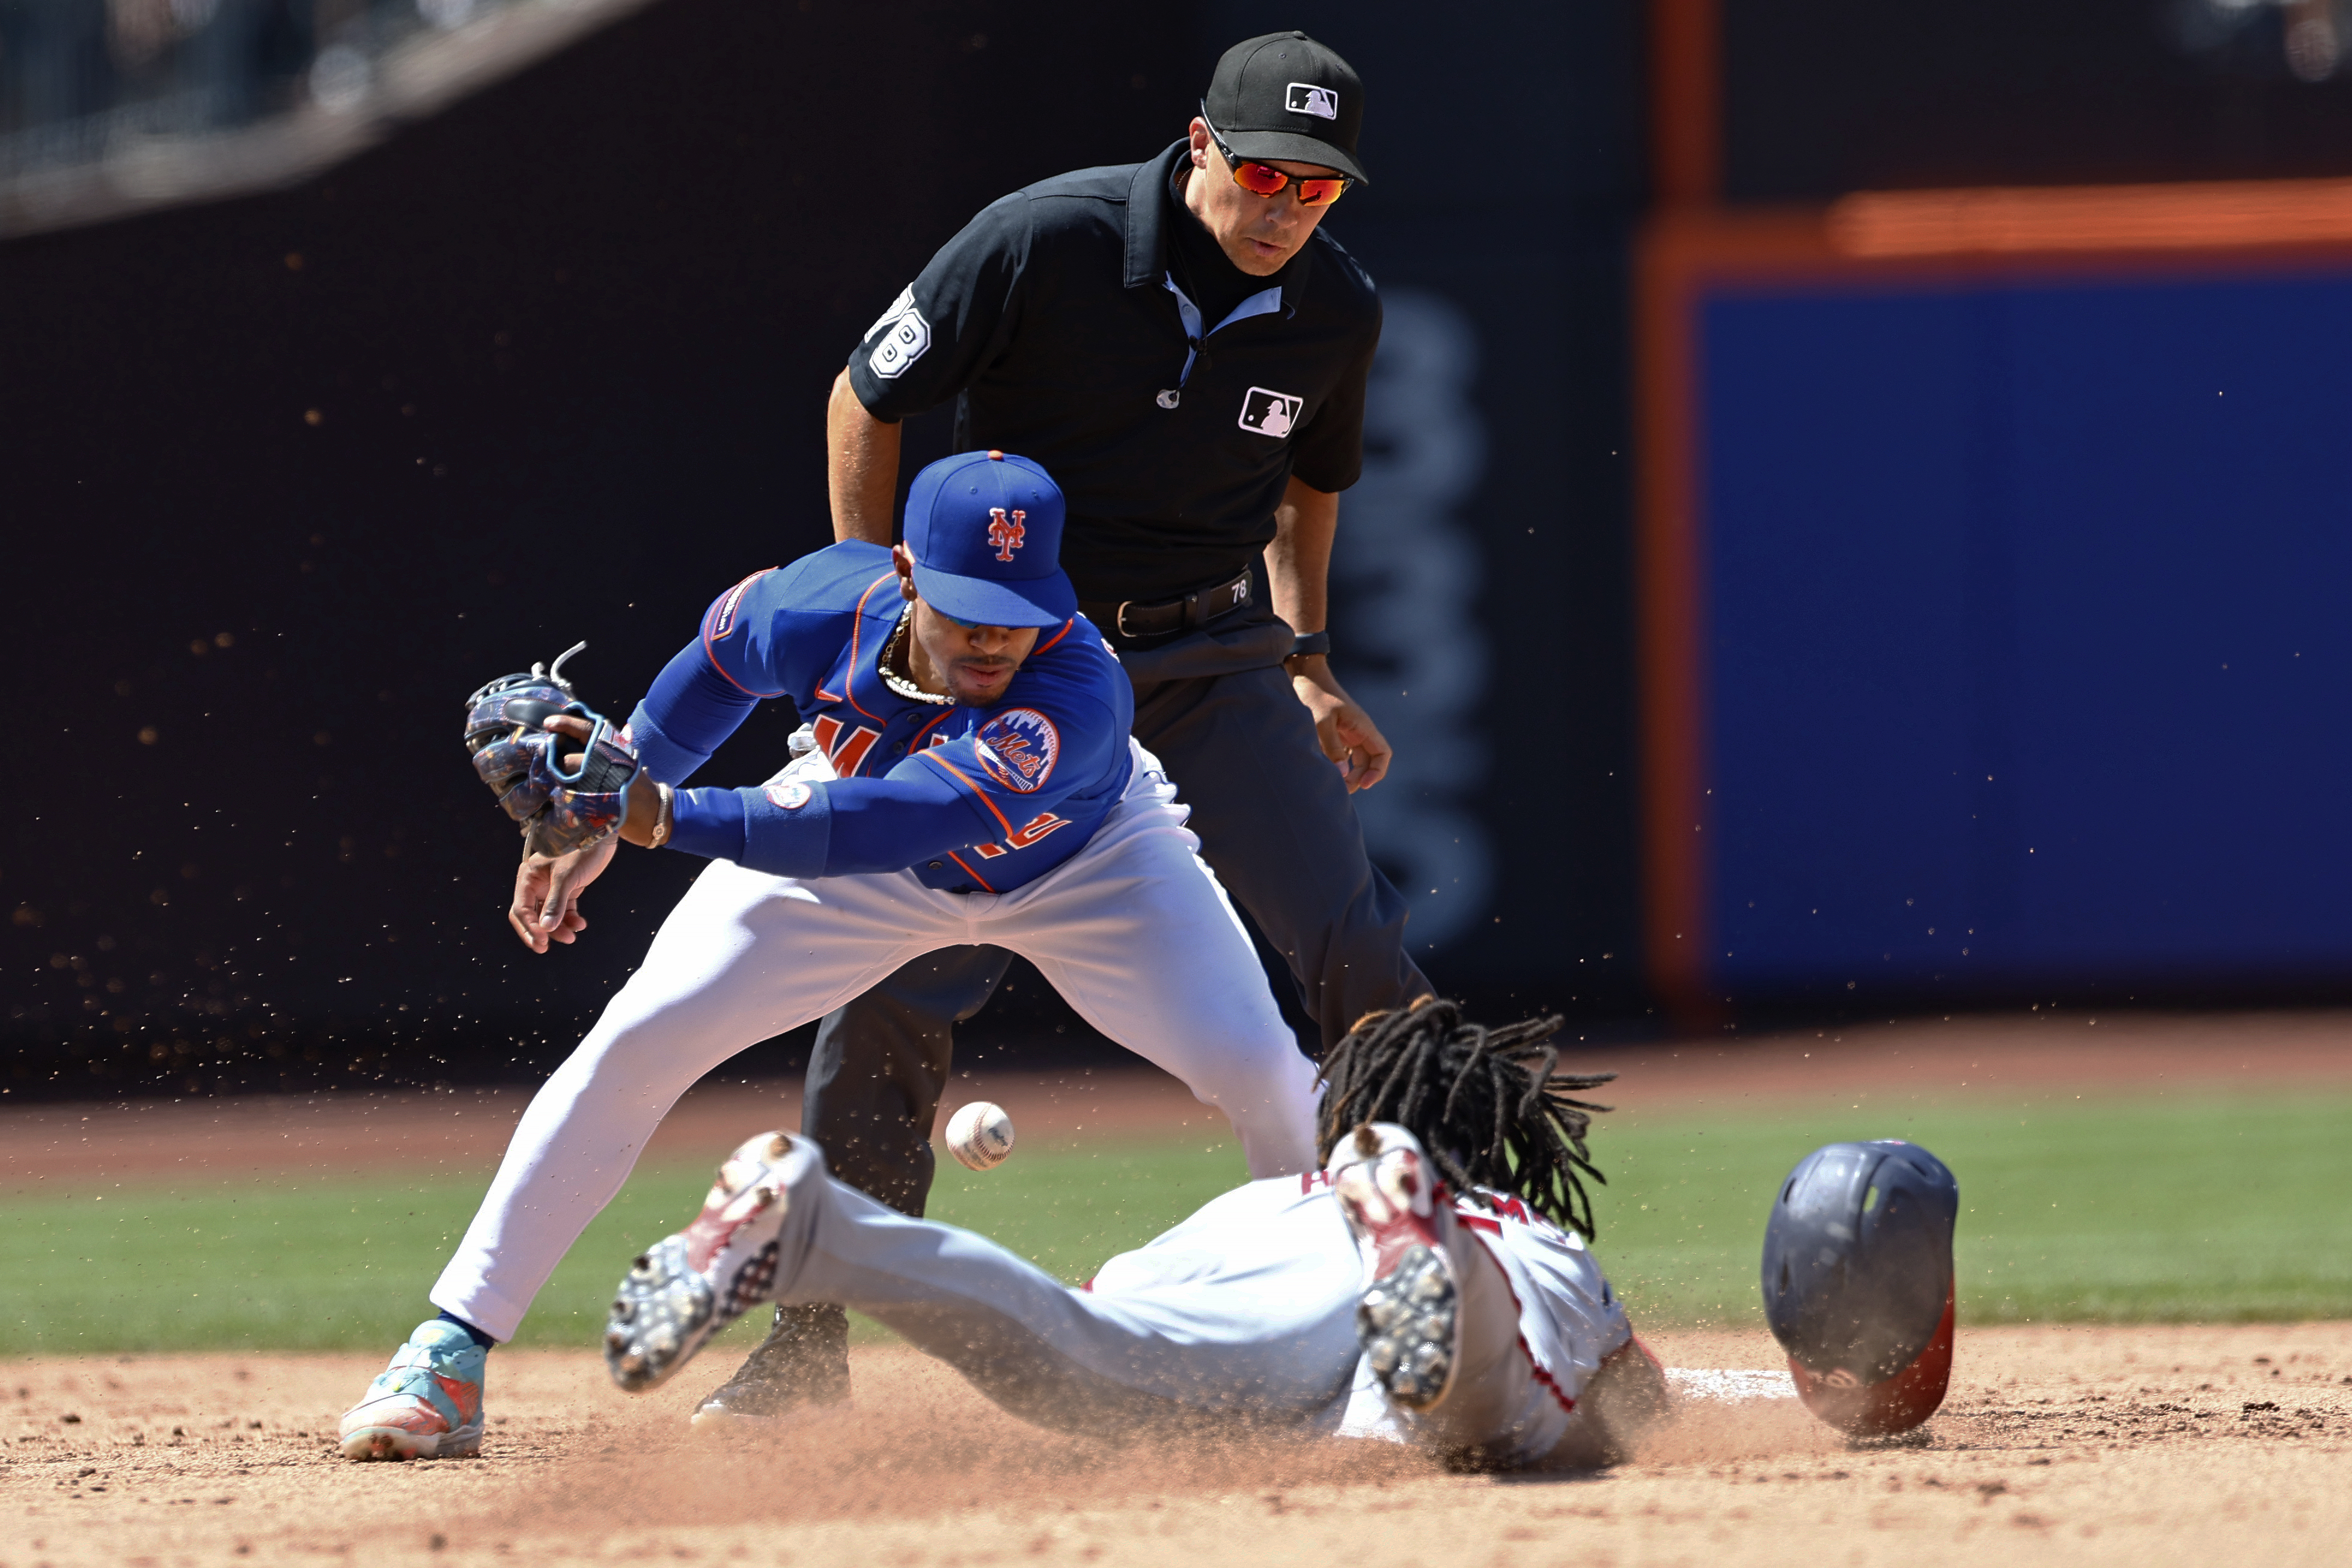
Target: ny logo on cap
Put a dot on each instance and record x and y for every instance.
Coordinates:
(1005, 533)
(1306, 98)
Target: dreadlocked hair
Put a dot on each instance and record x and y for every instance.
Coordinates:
(1489, 1105)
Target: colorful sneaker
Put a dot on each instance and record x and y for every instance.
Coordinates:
(427, 1405)
(687, 1287)
(1401, 1216)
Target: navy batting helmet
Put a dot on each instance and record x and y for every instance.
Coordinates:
(1858, 1282)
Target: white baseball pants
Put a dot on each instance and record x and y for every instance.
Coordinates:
(1242, 1315)
(1133, 930)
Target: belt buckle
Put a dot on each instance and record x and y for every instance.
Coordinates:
(1119, 619)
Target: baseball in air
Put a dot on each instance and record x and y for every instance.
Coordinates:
(981, 1135)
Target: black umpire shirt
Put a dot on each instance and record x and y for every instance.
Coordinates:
(1056, 320)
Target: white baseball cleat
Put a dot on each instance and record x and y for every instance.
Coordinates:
(1412, 1308)
(687, 1287)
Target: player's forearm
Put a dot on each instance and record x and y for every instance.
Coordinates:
(689, 711)
(861, 454)
(1298, 561)
(847, 827)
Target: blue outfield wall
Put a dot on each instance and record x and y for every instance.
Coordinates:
(2028, 635)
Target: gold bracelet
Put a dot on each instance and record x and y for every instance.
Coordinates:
(662, 818)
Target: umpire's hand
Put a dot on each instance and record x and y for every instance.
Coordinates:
(1350, 736)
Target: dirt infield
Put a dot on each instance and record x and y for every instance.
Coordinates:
(2131, 1446)
(2144, 1447)
(2019, 1056)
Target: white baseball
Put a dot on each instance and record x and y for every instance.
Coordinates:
(981, 1135)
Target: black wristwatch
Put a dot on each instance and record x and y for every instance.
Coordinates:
(1311, 642)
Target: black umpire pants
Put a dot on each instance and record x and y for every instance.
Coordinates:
(1275, 824)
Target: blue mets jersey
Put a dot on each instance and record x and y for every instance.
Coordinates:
(972, 799)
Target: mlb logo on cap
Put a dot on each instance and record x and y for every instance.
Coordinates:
(985, 530)
(1306, 98)
(1282, 96)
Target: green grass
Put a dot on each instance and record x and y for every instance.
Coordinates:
(346, 1265)
(2127, 1210)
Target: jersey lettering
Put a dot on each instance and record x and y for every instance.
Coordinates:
(1042, 825)
(846, 754)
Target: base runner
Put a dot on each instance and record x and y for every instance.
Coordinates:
(1428, 1283)
(970, 781)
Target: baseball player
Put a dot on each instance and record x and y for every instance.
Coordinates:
(967, 777)
(1185, 349)
(1429, 1282)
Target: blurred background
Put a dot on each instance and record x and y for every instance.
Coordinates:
(1854, 526)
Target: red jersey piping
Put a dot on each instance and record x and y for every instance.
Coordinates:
(857, 623)
(968, 871)
(933, 756)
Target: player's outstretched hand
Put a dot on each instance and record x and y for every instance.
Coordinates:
(1350, 736)
(546, 905)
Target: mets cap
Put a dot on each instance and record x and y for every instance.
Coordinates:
(985, 530)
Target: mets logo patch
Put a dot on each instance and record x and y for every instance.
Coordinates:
(789, 796)
(1018, 747)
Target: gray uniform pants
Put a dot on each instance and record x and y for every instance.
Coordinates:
(1275, 824)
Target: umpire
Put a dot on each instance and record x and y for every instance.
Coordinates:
(1180, 345)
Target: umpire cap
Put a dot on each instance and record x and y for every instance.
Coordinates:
(1858, 1282)
(1284, 95)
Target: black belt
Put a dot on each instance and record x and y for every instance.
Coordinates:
(1133, 618)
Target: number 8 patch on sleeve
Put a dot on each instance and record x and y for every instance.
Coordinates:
(903, 335)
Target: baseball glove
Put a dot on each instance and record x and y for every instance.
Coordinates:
(560, 810)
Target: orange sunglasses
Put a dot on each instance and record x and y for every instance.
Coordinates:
(1265, 180)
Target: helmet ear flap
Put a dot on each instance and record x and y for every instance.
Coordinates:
(1858, 1282)
(1891, 1405)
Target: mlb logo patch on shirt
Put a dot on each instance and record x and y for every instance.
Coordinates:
(1267, 412)
(1306, 98)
